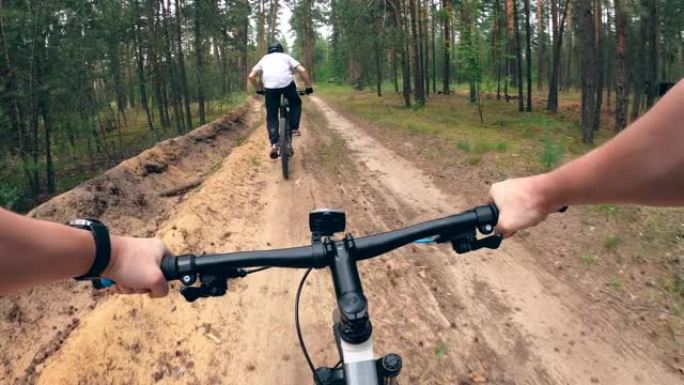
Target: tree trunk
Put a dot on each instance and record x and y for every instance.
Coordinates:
(587, 68)
(199, 53)
(426, 50)
(496, 49)
(261, 27)
(433, 24)
(541, 52)
(518, 57)
(528, 54)
(141, 78)
(552, 102)
(446, 41)
(599, 64)
(273, 20)
(651, 51)
(621, 85)
(418, 73)
(570, 61)
(154, 63)
(171, 70)
(181, 64)
(511, 73)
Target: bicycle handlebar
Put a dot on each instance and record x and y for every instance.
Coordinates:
(448, 229)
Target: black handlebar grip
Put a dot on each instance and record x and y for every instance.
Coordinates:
(488, 214)
(169, 268)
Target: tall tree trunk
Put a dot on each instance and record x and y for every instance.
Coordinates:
(518, 57)
(587, 68)
(181, 65)
(570, 61)
(426, 50)
(511, 74)
(44, 107)
(433, 24)
(621, 85)
(141, 78)
(171, 70)
(261, 28)
(395, 72)
(496, 49)
(652, 51)
(528, 54)
(199, 61)
(157, 76)
(599, 63)
(541, 52)
(552, 102)
(418, 73)
(446, 41)
(273, 19)
(378, 68)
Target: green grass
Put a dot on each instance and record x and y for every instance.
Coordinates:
(588, 259)
(440, 349)
(534, 140)
(608, 211)
(616, 283)
(612, 242)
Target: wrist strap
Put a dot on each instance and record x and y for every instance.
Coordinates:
(103, 247)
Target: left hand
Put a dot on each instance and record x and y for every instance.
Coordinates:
(135, 266)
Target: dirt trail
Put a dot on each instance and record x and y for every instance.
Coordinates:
(490, 316)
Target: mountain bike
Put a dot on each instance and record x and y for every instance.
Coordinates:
(352, 326)
(285, 134)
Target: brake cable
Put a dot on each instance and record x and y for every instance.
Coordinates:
(299, 330)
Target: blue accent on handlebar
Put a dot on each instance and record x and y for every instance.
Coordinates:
(425, 240)
(102, 283)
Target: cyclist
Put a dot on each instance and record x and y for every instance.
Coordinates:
(644, 164)
(34, 252)
(277, 78)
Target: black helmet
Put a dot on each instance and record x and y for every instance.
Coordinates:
(275, 47)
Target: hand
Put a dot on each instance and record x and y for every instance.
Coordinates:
(260, 92)
(135, 266)
(309, 90)
(521, 204)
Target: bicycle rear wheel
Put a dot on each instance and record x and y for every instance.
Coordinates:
(284, 145)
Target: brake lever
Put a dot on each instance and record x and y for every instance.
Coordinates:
(467, 241)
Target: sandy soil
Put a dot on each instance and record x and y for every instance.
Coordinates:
(489, 317)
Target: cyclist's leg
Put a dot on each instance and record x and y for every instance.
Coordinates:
(272, 104)
(295, 105)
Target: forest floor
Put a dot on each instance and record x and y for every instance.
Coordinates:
(518, 315)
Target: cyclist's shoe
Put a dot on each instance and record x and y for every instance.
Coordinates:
(274, 151)
(296, 133)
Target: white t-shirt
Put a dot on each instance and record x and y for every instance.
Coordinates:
(277, 69)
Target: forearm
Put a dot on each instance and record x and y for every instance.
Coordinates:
(643, 165)
(253, 79)
(305, 76)
(34, 251)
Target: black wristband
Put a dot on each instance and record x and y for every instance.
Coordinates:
(103, 247)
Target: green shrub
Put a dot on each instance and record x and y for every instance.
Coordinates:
(551, 153)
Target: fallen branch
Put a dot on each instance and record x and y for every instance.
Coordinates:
(178, 190)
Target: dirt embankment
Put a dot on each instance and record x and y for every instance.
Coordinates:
(133, 199)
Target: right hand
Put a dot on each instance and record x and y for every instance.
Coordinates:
(521, 204)
(260, 92)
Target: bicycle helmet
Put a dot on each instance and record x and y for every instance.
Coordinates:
(275, 47)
